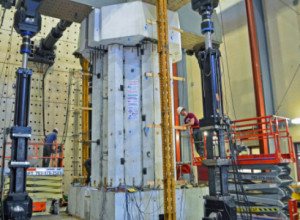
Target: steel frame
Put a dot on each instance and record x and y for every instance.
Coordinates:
(166, 111)
(85, 113)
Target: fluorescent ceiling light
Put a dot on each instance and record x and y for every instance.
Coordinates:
(296, 121)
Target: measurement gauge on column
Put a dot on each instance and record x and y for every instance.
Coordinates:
(45, 171)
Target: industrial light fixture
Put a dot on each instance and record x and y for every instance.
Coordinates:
(296, 121)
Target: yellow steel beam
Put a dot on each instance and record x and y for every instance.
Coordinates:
(177, 127)
(166, 111)
(85, 113)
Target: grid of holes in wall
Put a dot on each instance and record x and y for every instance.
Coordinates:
(62, 91)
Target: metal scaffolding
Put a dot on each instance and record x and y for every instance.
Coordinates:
(85, 113)
(166, 111)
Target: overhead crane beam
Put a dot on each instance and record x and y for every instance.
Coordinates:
(166, 111)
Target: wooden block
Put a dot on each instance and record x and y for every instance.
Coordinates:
(150, 183)
(178, 182)
(177, 127)
(172, 28)
(172, 77)
(180, 127)
(178, 78)
(78, 177)
(181, 182)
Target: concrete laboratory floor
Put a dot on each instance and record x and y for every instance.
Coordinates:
(65, 216)
(62, 215)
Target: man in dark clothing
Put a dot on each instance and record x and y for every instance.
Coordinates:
(191, 120)
(88, 167)
(49, 140)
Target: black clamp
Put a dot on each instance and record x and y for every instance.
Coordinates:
(21, 132)
(19, 164)
(24, 72)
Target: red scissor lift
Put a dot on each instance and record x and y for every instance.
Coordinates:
(254, 132)
(55, 167)
(56, 158)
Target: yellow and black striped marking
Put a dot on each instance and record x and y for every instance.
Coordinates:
(257, 209)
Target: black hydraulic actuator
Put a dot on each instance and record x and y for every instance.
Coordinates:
(44, 51)
(7, 4)
(219, 204)
(18, 204)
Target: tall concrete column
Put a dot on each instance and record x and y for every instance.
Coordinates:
(97, 117)
(115, 159)
(132, 117)
(151, 137)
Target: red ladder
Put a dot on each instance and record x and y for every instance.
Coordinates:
(293, 209)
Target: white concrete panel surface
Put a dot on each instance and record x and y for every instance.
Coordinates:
(132, 117)
(94, 34)
(148, 111)
(115, 115)
(97, 118)
(127, 24)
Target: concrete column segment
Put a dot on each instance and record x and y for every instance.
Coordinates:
(115, 174)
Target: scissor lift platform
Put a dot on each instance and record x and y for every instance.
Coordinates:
(265, 176)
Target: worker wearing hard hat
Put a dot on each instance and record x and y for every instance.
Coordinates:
(191, 120)
(49, 140)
